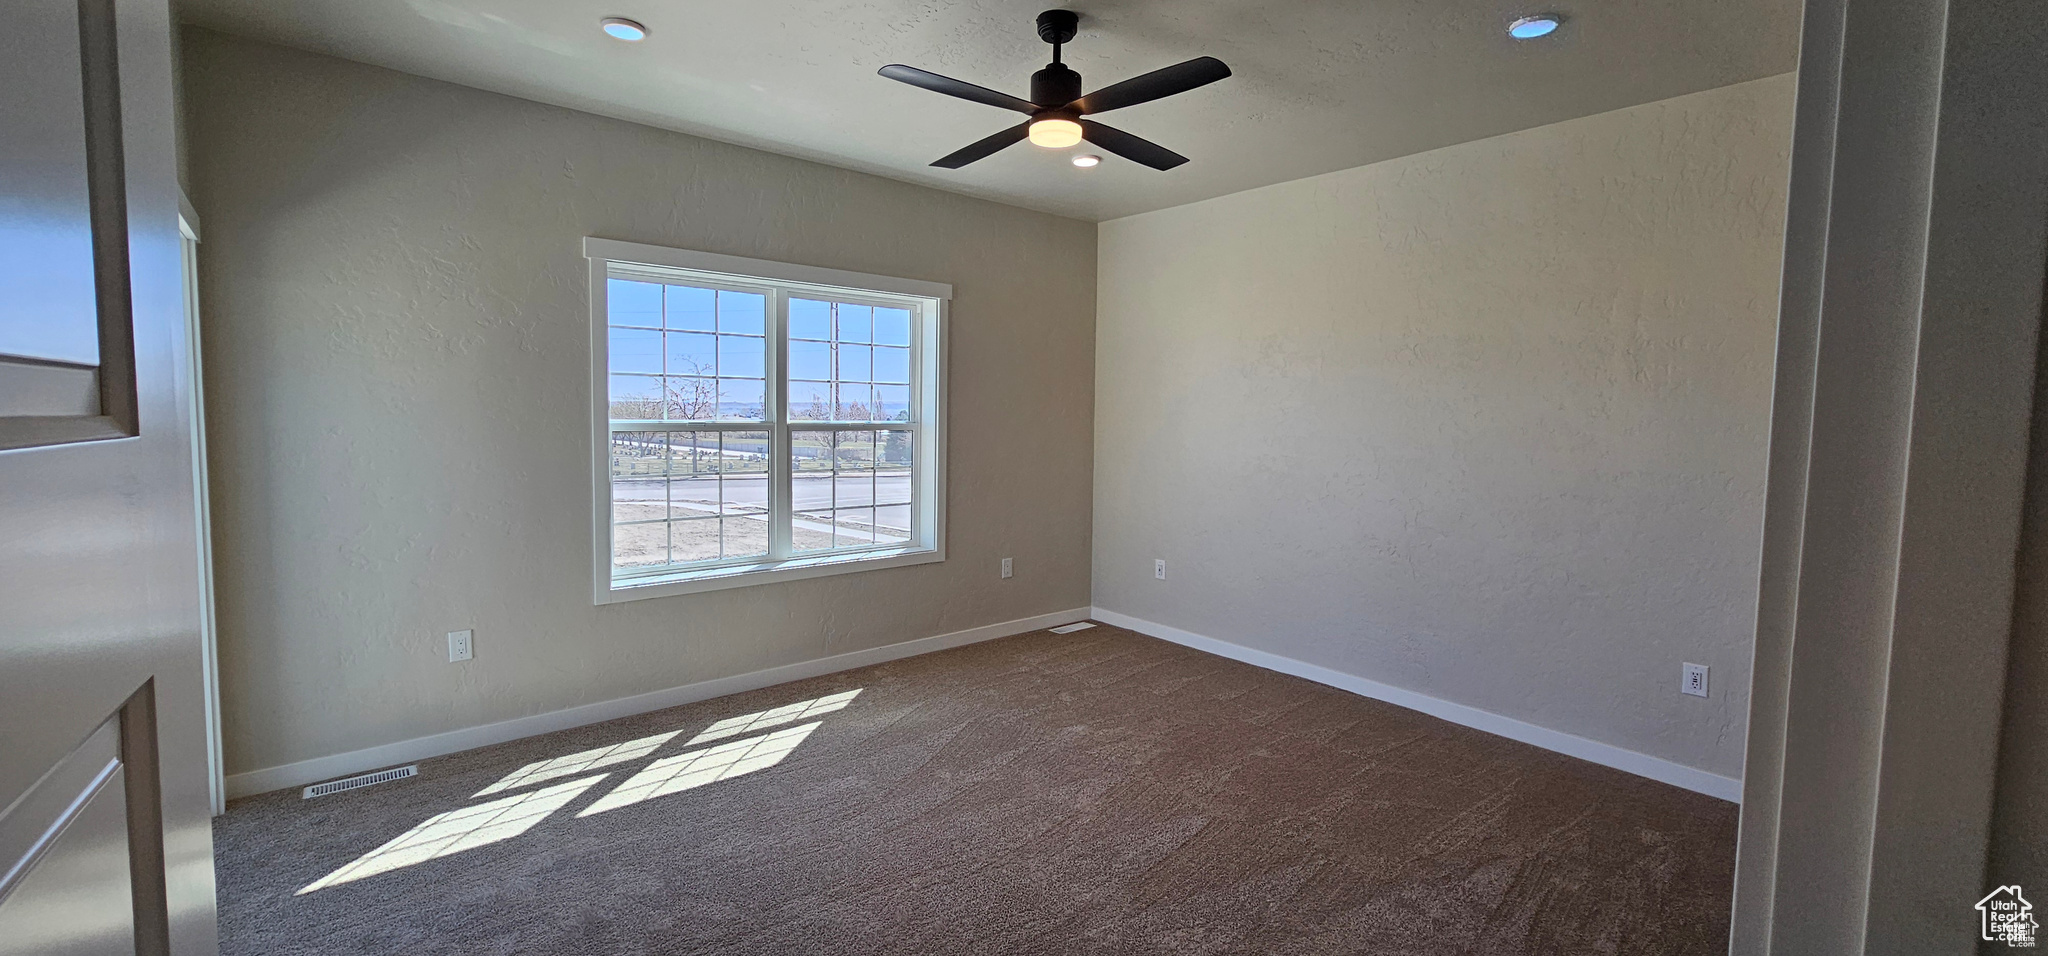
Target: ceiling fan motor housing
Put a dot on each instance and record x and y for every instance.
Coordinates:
(1055, 86)
(1058, 26)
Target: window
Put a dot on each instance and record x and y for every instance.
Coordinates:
(758, 421)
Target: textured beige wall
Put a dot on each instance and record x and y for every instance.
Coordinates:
(1487, 423)
(397, 351)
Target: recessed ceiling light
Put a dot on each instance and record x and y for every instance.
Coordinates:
(621, 28)
(1540, 25)
(1086, 160)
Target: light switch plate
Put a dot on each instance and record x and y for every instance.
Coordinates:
(1006, 567)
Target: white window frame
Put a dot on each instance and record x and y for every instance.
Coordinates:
(928, 385)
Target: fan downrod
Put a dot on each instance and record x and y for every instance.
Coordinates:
(1056, 85)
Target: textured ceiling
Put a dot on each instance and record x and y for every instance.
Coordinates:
(1320, 85)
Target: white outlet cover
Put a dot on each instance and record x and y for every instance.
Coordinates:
(1692, 679)
(1159, 568)
(1006, 567)
(459, 645)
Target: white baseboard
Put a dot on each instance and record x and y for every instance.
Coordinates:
(1607, 755)
(454, 741)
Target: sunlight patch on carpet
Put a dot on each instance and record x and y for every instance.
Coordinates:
(576, 763)
(445, 834)
(699, 767)
(786, 714)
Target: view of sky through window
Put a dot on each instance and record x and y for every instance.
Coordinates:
(848, 363)
(686, 354)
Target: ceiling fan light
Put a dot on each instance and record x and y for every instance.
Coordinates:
(1086, 160)
(1055, 133)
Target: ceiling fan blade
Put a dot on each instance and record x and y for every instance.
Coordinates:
(1133, 148)
(1178, 78)
(984, 148)
(952, 87)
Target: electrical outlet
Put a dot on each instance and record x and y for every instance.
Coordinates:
(1693, 679)
(1159, 568)
(458, 645)
(1006, 567)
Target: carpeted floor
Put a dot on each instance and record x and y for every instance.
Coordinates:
(1101, 792)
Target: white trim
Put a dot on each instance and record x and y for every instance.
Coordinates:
(929, 377)
(740, 267)
(600, 432)
(439, 745)
(748, 575)
(1606, 755)
(188, 217)
(202, 507)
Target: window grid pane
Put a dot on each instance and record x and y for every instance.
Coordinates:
(690, 353)
(639, 499)
(812, 479)
(690, 308)
(743, 494)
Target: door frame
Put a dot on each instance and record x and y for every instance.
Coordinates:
(1917, 227)
(192, 385)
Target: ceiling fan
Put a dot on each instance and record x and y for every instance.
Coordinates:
(1057, 108)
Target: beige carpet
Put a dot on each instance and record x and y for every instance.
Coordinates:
(1101, 792)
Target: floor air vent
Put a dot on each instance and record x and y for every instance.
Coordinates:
(361, 780)
(1071, 628)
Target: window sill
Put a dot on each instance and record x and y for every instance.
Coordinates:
(748, 575)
